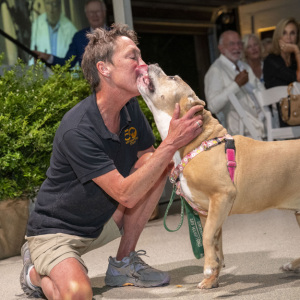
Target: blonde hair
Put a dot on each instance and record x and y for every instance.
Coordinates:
(246, 39)
(278, 33)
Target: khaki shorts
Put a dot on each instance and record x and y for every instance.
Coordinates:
(48, 250)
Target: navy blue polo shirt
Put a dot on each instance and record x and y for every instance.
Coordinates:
(83, 149)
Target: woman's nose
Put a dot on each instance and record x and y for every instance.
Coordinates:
(142, 63)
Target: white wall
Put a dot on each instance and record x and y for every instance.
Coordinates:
(266, 14)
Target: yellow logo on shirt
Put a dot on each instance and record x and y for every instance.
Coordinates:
(131, 136)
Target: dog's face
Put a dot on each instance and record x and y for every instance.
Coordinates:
(161, 92)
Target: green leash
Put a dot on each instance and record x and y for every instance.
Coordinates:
(195, 227)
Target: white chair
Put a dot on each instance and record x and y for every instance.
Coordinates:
(244, 120)
(269, 97)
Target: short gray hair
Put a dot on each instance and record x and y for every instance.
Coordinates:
(100, 1)
(224, 33)
(101, 47)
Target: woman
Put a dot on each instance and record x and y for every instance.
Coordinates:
(253, 54)
(282, 65)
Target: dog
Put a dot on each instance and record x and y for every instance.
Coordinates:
(266, 174)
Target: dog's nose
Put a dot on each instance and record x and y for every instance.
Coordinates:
(141, 70)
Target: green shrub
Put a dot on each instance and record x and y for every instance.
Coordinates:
(150, 119)
(31, 108)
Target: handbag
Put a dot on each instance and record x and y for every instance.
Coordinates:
(290, 108)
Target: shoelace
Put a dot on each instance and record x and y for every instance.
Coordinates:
(135, 259)
(32, 294)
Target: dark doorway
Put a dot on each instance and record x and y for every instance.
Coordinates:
(174, 53)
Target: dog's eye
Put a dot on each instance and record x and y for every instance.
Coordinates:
(172, 77)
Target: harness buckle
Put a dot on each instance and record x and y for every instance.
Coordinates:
(231, 163)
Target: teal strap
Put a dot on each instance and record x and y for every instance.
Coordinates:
(195, 227)
(167, 211)
(196, 231)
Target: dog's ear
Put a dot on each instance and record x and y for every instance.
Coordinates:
(189, 102)
(194, 100)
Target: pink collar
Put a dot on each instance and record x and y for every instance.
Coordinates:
(230, 154)
(231, 163)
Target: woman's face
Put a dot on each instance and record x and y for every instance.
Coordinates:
(289, 34)
(253, 50)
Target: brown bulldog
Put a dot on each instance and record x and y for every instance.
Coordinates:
(266, 175)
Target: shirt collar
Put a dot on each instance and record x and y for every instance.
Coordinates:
(55, 28)
(100, 125)
(230, 64)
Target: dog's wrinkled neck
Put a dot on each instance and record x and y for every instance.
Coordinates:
(211, 128)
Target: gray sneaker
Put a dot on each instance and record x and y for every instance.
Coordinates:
(132, 270)
(37, 292)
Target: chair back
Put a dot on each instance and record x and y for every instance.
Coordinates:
(245, 122)
(270, 97)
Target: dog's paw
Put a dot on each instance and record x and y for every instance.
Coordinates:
(289, 268)
(206, 284)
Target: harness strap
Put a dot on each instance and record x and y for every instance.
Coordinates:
(203, 147)
(230, 155)
(231, 164)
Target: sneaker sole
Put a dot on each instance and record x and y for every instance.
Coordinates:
(26, 289)
(127, 281)
(24, 247)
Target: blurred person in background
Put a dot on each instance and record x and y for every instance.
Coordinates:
(230, 75)
(95, 11)
(252, 54)
(282, 65)
(52, 31)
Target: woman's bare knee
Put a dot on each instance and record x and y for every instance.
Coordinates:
(70, 281)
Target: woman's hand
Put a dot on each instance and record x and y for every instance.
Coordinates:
(185, 129)
(288, 48)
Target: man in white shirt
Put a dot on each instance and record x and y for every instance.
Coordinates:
(52, 32)
(95, 11)
(228, 74)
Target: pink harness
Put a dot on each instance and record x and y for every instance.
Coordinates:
(231, 164)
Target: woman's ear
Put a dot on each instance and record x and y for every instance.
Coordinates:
(103, 69)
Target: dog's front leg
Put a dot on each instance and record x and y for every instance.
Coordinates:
(219, 248)
(219, 245)
(212, 237)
